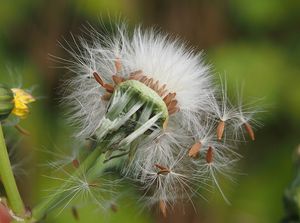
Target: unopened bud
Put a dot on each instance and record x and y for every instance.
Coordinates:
(6, 102)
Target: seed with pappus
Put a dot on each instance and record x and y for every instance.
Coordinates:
(153, 104)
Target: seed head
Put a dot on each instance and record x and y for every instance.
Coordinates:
(153, 102)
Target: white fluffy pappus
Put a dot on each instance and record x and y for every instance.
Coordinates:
(159, 56)
(170, 155)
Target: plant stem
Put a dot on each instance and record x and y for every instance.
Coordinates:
(8, 180)
(46, 205)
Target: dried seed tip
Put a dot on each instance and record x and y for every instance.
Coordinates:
(249, 130)
(220, 130)
(194, 150)
(75, 213)
(209, 155)
(163, 208)
(98, 79)
(117, 79)
(118, 65)
(22, 130)
(75, 163)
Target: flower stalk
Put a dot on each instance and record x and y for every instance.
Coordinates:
(8, 180)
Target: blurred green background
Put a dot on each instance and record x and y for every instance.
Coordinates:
(254, 42)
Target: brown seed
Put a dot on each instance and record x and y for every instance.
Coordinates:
(161, 90)
(172, 104)
(114, 207)
(209, 155)
(93, 185)
(220, 130)
(117, 79)
(118, 65)
(136, 75)
(249, 130)
(75, 213)
(167, 99)
(150, 82)
(163, 208)
(109, 88)
(98, 79)
(155, 86)
(163, 170)
(160, 166)
(143, 79)
(194, 150)
(172, 110)
(146, 81)
(75, 163)
(163, 93)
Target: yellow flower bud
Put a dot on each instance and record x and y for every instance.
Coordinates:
(21, 101)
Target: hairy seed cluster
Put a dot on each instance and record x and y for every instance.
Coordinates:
(154, 104)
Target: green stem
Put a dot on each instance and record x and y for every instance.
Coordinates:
(43, 208)
(8, 180)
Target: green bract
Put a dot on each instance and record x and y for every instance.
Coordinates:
(135, 113)
(147, 95)
(6, 102)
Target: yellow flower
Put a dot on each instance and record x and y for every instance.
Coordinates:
(21, 101)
